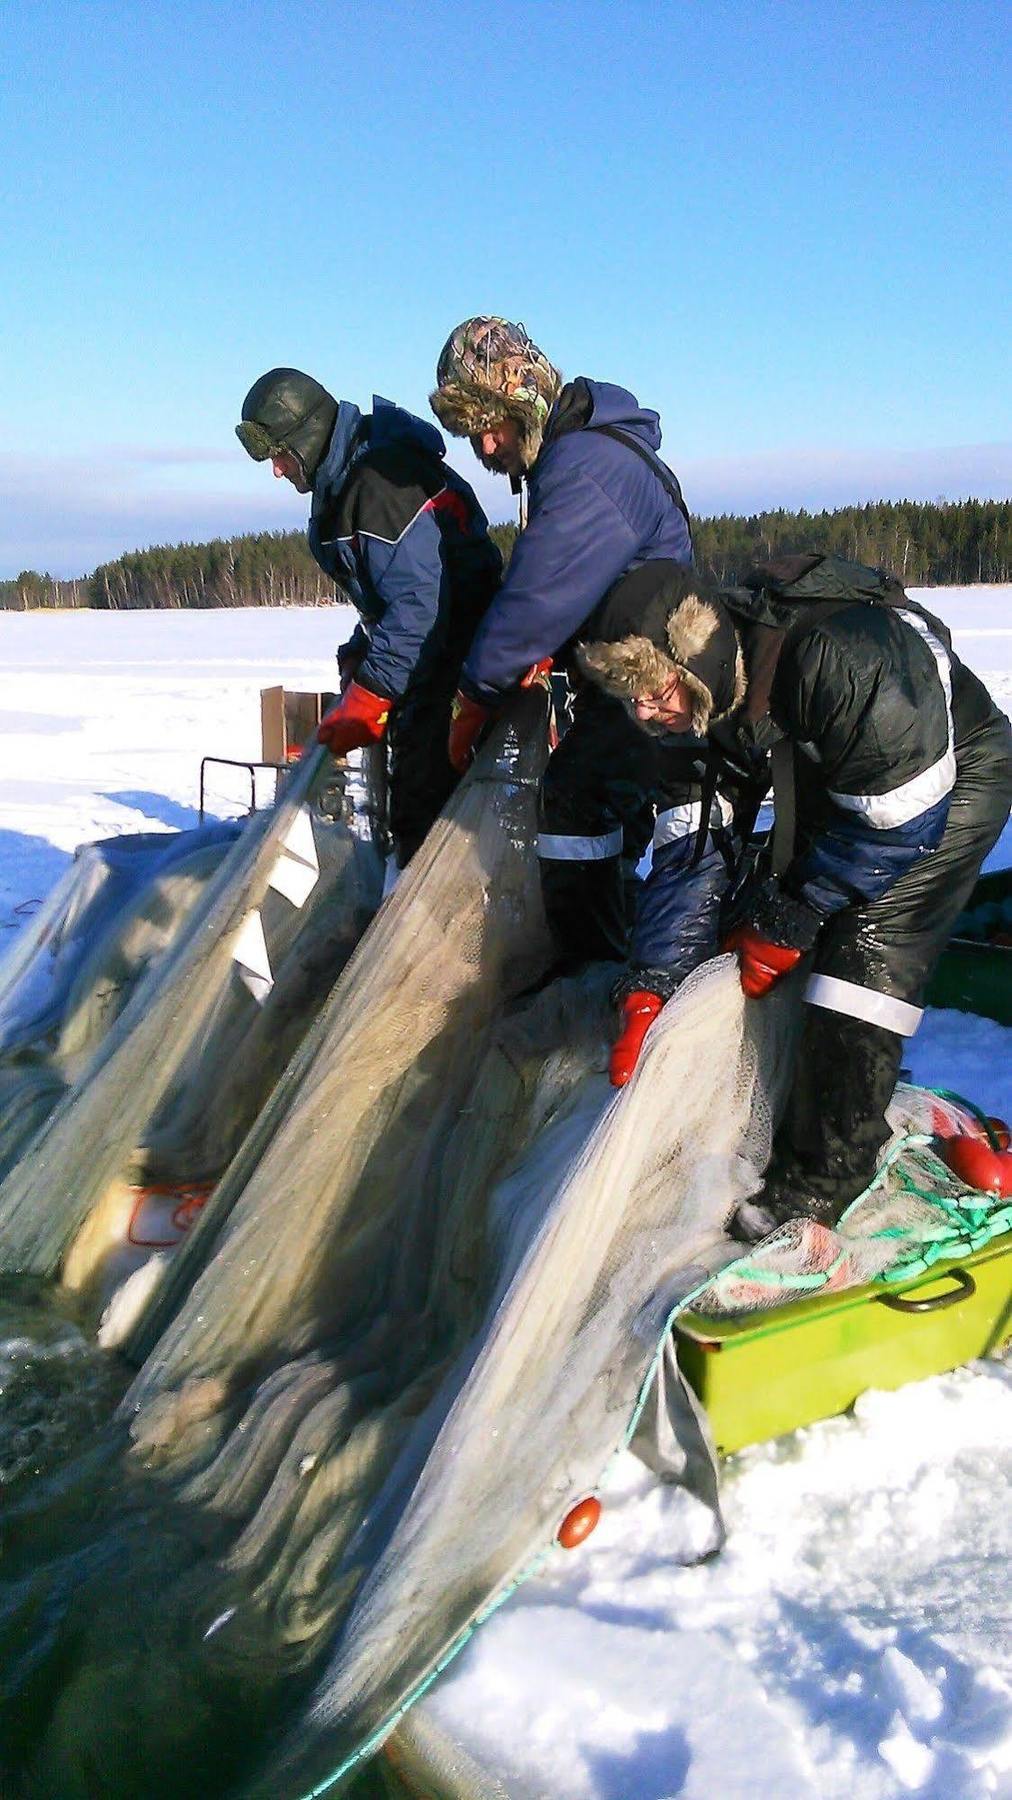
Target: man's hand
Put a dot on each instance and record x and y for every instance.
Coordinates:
(639, 1010)
(538, 672)
(360, 717)
(763, 963)
(468, 719)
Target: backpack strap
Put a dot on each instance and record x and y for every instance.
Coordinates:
(667, 479)
(785, 809)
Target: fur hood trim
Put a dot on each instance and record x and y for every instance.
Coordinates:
(634, 666)
(465, 410)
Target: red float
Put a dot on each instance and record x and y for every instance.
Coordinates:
(580, 1521)
(978, 1165)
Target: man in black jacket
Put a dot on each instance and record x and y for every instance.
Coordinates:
(406, 540)
(899, 767)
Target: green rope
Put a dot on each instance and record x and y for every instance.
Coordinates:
(983, 1222)
(968, 1105)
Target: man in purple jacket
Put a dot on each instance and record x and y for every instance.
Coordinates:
(599, 503)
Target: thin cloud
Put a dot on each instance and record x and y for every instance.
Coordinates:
(823, 479)
(66, 514)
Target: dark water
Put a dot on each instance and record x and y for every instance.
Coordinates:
(109, 1688)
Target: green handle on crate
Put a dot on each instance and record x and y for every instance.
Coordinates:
(964, 1289)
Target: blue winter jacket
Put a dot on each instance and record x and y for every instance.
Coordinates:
(406, 539)
(595, 510)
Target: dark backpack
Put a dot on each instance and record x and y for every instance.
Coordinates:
(784, 598)
(791, 581)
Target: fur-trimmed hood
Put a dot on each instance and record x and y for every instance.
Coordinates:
(660, 622)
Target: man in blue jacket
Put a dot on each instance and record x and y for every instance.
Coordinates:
(599, 502)
(404, 537)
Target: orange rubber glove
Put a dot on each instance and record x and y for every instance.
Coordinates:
(468, 719)
(639, 1010)
(360, 717)
(762, 964)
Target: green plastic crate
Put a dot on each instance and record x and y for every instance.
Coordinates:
(767, 1373)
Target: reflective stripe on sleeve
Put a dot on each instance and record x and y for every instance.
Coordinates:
(683, 821)
(555, 847)
(856, 1002)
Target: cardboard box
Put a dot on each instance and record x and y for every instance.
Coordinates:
(288, 720)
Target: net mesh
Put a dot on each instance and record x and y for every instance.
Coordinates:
(433, 1297)
(182, 1061)
(914, 1213)
(117, 909)
(412, 1323)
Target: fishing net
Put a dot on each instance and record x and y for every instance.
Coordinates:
(914, 1213)
(379, 1081)
(414, 1320)
(45, 974)
(120, 905)
(420, 1312)
(169, 1057)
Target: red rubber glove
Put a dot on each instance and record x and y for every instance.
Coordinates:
(639, 1010)
(539, 671)
(762, 964)
(360, 717)
(468, 719)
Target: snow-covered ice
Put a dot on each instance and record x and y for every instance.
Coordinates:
(853, 1639)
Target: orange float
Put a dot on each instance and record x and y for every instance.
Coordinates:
(578, 1523)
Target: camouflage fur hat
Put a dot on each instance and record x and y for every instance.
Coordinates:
(490, 370)
(287, 410)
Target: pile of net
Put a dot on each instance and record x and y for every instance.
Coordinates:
(408, 1330)
(118, 908)
(149, 1013)
(418, 1314)
(914, 1213)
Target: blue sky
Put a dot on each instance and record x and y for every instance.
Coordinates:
(786, 226)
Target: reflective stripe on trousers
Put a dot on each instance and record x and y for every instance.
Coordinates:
(565, 847)
(856, 1002)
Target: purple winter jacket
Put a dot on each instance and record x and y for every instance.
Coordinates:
(595, 509)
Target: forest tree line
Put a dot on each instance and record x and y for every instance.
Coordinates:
(926, 544)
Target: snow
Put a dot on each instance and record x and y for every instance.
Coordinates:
(853, 1638)
(104, 718)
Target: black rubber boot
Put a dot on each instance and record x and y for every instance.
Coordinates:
(827, 1146)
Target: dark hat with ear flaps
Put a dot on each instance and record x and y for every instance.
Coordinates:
(659, 621)
(287, 410)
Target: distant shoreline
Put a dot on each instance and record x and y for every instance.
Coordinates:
(961, 543)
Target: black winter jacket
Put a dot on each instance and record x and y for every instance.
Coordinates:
(879, 710)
